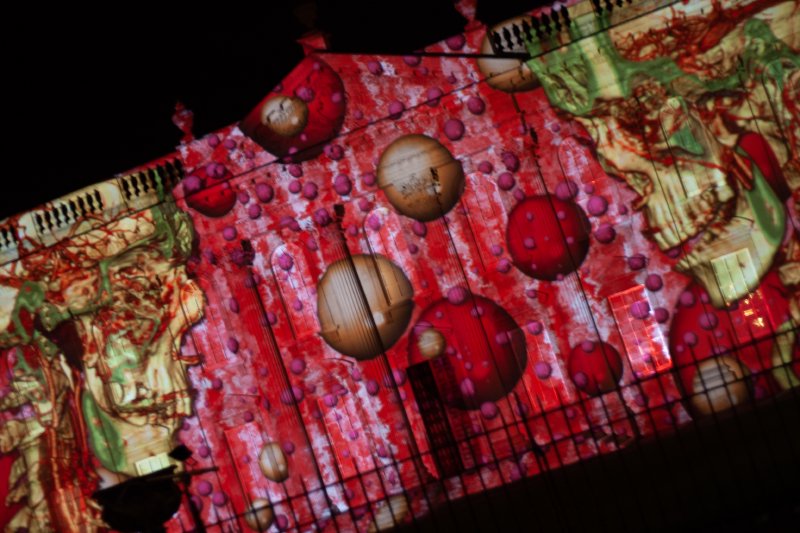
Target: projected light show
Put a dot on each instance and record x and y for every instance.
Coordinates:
(402, 280)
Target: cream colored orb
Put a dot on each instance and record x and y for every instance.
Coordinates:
(285, 115)
(507, 74)
(719, 385)
(344, 315)
(420, 177)
(272, 462)
(389, 514)
(431, 343)
(260, 515)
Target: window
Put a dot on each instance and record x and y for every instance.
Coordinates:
(641, 335)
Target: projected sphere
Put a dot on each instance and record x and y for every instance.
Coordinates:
(547, 237)
(700, 332)
(207, 194)
(718, 385)
(420, 177)
(594, 367)
(272, 462)
(344, 315)
(389, 514)
(303, 113)
(286, 116)
(483, 354)
(431, 343)
(507, 75)
(260, 515)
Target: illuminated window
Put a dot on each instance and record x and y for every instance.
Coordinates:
(641, 335)
(735, 274)
(443, 442)
(687, 141)
(152, 464)
(546, 385)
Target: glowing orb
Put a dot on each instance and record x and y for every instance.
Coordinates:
(699, 331)
(507, 75)
(431, 343)
(485, 352)
(718, 385)
(389, 513)
(300, 115)
(420, 177)
(286, 116)
(272, 462)
(346, 294)
(547, 237)
(205, 194)
(595, 367)
(260, 515)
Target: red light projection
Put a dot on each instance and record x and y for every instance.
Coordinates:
(305, 111)
(400, 281)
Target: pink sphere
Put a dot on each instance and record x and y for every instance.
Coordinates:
(605, 233)
(342, 185)
(653, 282)
(264, 192)
(454, 129)
(637, 262)
(476, 105)
(456, 42)
(566, 190)
(434, 94)
(506, 181)
(396, 109)
(597, 206)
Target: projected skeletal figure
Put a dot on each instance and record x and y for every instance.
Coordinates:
(96, 385)
(673, 109)
(693, 106)
(696, 111)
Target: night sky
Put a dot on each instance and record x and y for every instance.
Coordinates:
(92, 92)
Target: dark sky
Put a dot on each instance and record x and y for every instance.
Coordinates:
(91, 93)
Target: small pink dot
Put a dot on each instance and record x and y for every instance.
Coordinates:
(396, 109)
(454, 129)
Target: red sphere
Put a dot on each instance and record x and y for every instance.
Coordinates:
(743, 331)
(547, 237)
(302, 115)
(207, 195)
(484, 354)
(595, 367)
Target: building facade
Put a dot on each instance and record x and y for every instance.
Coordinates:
(402, 280)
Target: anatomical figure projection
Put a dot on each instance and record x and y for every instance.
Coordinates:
(707, 136)
(400, 281)
(92, 335)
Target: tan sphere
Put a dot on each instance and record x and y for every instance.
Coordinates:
(718, 385)
(343, 317)
(431, 343)
(508, 74)
(286, 116)
(405, 173)
(389, 514)
(272, 462)
(260, 515)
